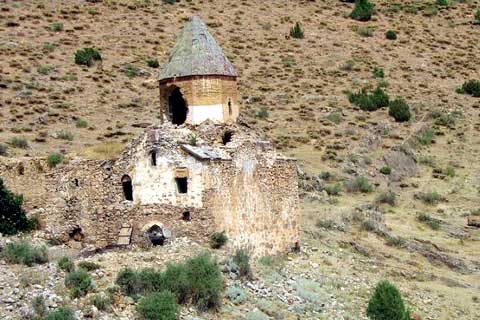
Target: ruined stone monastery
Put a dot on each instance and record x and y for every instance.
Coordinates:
(196, 172)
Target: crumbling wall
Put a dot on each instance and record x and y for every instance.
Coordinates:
(254, 199)
(25, 176)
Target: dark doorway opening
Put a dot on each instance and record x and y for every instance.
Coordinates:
(153, 156)
(76, 234)
(227, 137)
(182, 185)
(155, 234)
(178, 107)
(186, 216)
(127, 187)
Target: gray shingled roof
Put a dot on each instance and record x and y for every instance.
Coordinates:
(196, 53)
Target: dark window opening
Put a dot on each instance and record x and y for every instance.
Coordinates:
(127, 187)
(229, 107)
(153, 156)
(182, 185)
(178, 107)
(227, 137)
(186, 216)
(155, 234)
(21, 169)
(76, 182)
(76, 234)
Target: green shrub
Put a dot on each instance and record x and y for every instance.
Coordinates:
(56, 27)
(359, 184)
(380, 98)
(427, 137)
(431, 222)
(386, 170)
(49, 47)
(363, 10)
(477, 16)
(22, 252)
(333, 189)
(19, 142)
(64, 135)
(87, 56)
(159, 306)
(297, 31)
(218, 240)
(369, 101)
(80, 123)
(378, 73)
(398, 242)
(55, 159)
(66, 264)
(3, 150)
(236, 294)
(262, 113)
(443, 2)
(153, 63)
(449, 171)
(326, 224)
(39, 307)
(241, 258)
(391, 35)
(387, 197)
(62, 313)
(445, 119)
(89, 266)
(101, 301)
(13, 218)
(130, 282)
(335, 117)
(44, 69)
(387, 303)
(176, 279)
(399, 110)
(79, 282)
(131, 70)
(471, 87)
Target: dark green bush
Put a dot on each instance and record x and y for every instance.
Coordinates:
(297, 31)
(477, 16)
(130, 282)
(443, 2)
(56, 26)
(89, 266)
(79, 282)
(387, 303)
(13, 218)
(363, 10)
(175, 279)
(386, 170)
(66, 264)
(399, 110)
(391, 35)
(380, 98)
(370, 101)
(3, 150)
(153, 63)
(55, 159)
(87, 56)
(159, 306)
(471, 87)
(22, 252)
(378, 73)
(62, 313)
(218, 240)
(242, 259)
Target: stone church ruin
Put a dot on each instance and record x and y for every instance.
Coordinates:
(196, 172)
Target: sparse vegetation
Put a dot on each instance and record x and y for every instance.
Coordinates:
(101, 301)
(399, 110)
(66, 264)
(333, 189)
(131, 70)
(359, 184)
(386, 170)
(80, 123)
(3, 150)
(398, 242)
(378, 73)
(64, 135)
(44, 69)
(39, 307)
(56, 27)
(431, 222)
(363, 10)
(62, 313)
(87, 56)
(297, 31)
(430, 198)
(19, 142)
(477, 16)
(426, 137)
(389, 197)
(55, 159)
(22, 252)
(88, 265)
(79, 282)
(365, 31)
(387, 303)
(242, 259)
(262, 113)
(218, 240)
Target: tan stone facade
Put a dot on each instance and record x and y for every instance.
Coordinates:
(243, 187)
(207, 97)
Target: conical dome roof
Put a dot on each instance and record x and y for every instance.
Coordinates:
(197, 53)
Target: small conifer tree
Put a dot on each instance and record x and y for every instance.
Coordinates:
(297, 31)
(387, 303)
(363, 10)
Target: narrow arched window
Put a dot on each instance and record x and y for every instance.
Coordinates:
(153, 158)
(230, 107)
(127, 187)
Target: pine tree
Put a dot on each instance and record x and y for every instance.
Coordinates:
(12, 216)
(296, 31)
(387, 303)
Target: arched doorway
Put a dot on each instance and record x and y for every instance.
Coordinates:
(127, 187)
(177, 106)
(155, 234)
